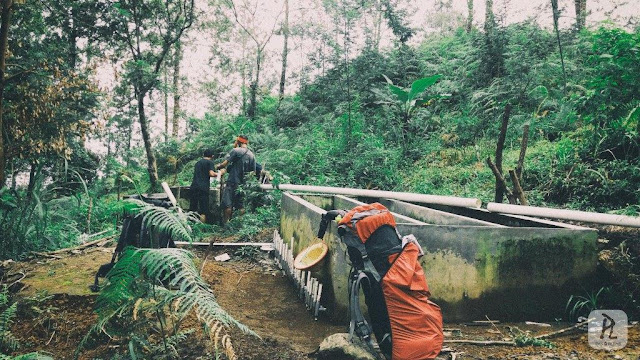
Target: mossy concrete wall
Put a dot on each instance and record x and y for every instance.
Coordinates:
(473, 271)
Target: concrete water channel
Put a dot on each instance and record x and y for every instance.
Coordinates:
(478, 264)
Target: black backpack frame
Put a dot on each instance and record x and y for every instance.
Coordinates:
(136, 233)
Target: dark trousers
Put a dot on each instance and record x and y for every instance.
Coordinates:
(232, 197)
(199, 201)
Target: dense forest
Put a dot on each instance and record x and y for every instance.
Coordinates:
(96, 102)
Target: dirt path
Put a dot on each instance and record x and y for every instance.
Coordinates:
(255, 294)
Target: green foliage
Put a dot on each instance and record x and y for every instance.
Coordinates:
(408, 100)
(247, 252)
(579, 305)
(153, 290)
(612, 82)
(522, 338)
(291, 113)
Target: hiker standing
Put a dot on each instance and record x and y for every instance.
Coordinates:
(202, 171)
(238, 162)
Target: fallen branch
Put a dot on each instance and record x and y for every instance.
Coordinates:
(79, 247)
(481, 342)
(17, 281)
(47, 255)
(562, 331)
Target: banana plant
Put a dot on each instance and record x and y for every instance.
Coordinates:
(413, 98)
(408, 100)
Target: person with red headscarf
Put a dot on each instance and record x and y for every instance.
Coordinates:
(238, 162)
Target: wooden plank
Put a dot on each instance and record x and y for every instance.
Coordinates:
(224, 243)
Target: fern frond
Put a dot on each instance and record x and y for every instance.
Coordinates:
(119, 289)
(7, 341)
(30, 356)
(133, 288)
(177, 266)
(165, 220)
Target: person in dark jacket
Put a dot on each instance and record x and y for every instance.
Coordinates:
(238, 162)
(202, 172)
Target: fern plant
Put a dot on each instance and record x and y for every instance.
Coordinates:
(8, 343)
(168, 221)
(152, 291)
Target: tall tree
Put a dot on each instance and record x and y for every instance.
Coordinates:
(581, 13)
(165, 99)
(147, 30)
(556, 16)
(7, 8)
(47, 106)
(489, 17)
(177, 91)
(250, 22)
(469, 24)
(493, 56)
(285, 49)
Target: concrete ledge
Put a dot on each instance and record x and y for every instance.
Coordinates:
(432, 216)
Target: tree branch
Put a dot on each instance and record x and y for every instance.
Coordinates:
(500, 180)
(517, 189)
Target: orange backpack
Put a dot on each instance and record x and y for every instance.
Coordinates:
(406, 324)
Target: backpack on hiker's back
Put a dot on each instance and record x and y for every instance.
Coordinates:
(406, 324)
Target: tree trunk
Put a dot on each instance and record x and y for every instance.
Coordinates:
(285, 49)
(378, 29)
(152, 166)
(244, 76)
(7, 6)
(165, 99)
(500, 188)
(177, 112)
(581, 14)
(469, 24)
(556, 16)
(254, 87)
(73, 36)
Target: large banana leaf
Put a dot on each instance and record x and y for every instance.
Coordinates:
(402, 95)
(421, 85)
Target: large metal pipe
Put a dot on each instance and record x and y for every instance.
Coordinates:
(573, 215)
(404, 196)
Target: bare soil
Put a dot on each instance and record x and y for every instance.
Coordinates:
(56, 311)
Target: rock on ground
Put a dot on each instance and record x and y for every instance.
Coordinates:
(338, 347)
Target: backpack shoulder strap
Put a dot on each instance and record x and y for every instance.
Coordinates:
(357, 323)
(351, 239)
